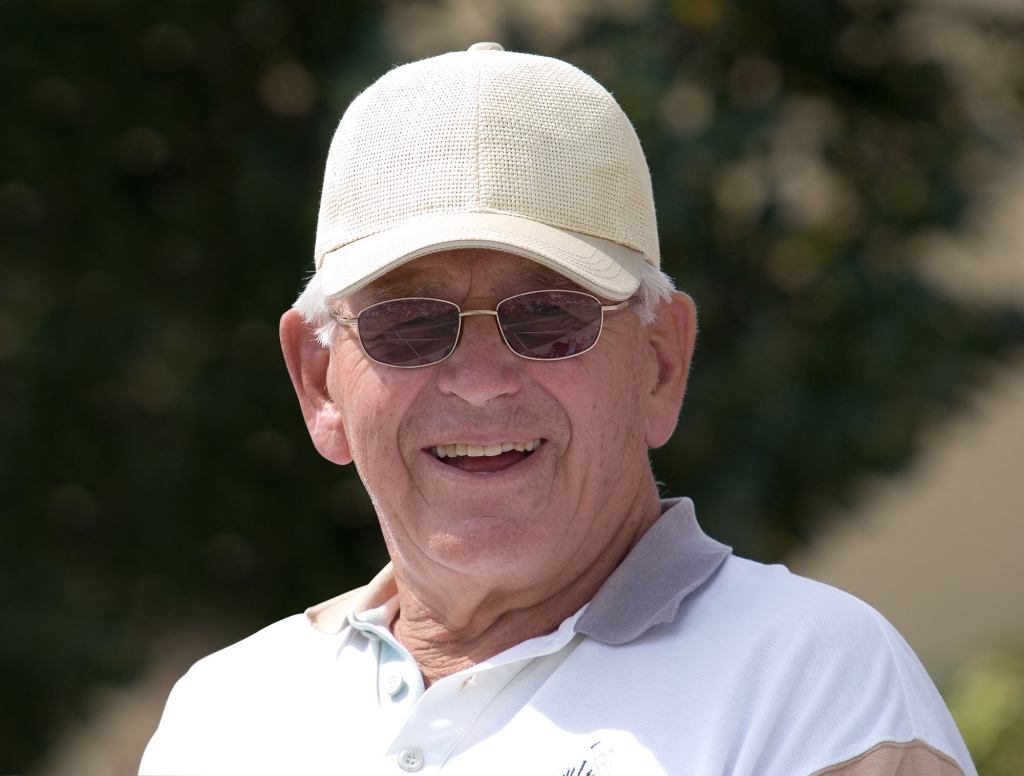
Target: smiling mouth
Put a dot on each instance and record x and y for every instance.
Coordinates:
(484, 458)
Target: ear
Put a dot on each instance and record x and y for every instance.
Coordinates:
(307, 362)
(671, 338)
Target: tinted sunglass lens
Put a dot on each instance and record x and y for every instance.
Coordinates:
(550, 324)
(409, 332)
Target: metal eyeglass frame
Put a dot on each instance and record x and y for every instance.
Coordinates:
(605, 308)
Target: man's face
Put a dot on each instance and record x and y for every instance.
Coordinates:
(523, 518)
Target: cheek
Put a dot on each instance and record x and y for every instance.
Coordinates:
(372, 399)
(620, 424)
(606, 406)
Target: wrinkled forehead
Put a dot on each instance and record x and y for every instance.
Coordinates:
(462, 273)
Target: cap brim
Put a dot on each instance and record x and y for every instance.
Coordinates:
(602, 267)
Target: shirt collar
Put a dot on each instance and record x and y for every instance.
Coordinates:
(670, 561)
(332, 615)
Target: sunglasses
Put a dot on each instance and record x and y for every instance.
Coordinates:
(538, 325)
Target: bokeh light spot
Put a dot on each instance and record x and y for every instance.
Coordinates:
(287, 89)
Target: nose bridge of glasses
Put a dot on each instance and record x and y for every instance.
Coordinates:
(473, 313)
(481, 367)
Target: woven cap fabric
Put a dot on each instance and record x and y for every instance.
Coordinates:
(492, 149)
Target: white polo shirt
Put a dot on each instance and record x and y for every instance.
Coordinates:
(687, 661)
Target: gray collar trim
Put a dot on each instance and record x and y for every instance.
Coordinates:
(670, 561)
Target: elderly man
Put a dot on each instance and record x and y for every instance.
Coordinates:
(489, 339)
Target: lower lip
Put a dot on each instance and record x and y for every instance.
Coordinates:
(488, 465)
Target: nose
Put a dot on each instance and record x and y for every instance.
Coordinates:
(482, 367)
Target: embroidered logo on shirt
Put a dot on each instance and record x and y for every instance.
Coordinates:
(596, 763)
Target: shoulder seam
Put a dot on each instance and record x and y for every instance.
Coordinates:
(912, 710)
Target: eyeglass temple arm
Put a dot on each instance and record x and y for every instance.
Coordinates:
(626, 303)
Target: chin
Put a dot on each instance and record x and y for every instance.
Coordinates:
(481, 541)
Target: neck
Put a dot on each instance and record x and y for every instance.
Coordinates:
(450, 630)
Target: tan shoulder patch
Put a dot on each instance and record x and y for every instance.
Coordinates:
(912, 758)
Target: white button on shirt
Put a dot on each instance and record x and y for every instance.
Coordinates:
(394, 684)
(410, 760)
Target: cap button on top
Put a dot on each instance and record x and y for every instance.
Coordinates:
(486, 46)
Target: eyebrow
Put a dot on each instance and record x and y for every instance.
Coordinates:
(549, 277)
(411, 286)
(401, 288)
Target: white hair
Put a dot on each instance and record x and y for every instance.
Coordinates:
(315, 307)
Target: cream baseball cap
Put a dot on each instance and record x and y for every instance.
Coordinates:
(487, 148)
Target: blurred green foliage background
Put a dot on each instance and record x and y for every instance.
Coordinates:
(160, 165)
(986, 698)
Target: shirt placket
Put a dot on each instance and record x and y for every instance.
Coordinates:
(421, 727)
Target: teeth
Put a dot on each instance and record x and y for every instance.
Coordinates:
(475, 451)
